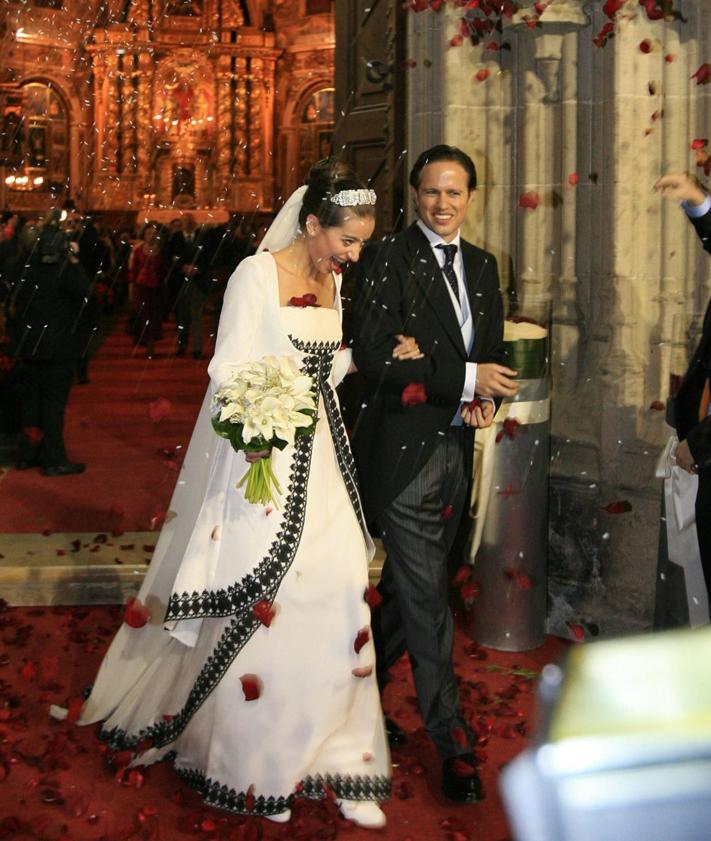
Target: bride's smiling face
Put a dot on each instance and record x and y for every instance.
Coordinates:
(331, 248)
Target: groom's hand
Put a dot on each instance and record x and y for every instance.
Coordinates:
(478, 414)
(494, 380)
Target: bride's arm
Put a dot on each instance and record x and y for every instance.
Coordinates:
(241, 320)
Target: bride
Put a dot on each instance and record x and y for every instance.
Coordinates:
(247, 656)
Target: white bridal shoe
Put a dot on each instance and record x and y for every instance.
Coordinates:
(280, 817)
(364, 813)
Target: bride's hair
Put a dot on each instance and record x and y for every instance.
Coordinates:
(326, 179)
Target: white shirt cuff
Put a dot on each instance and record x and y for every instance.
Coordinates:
(693, 211)
(469, 382)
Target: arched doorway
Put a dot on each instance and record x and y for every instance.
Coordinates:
(35, 144)
(316, 114)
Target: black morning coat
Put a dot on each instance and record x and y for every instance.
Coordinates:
(686, 403)
(400, 288)
(49, 304)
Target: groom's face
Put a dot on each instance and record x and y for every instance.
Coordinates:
(442, 197)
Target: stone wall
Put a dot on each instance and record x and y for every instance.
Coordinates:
(582, 132)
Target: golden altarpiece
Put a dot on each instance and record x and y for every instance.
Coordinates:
(155, 106)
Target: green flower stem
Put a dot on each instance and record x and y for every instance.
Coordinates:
(262, 486)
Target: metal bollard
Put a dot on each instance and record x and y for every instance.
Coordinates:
(510, 547)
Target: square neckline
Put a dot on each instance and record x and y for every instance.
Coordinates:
(336, 297)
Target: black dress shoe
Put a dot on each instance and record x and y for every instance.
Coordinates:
(395, 733)
(67, 469)
(460, 781)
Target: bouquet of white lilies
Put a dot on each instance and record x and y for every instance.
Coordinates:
(268, 403)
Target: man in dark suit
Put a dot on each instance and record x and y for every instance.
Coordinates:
(692, 416)
(413, 439)
(188, 283)
(49, 300)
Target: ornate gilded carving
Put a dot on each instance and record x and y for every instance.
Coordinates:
(256, 92)
(240, 124)
(144, 122)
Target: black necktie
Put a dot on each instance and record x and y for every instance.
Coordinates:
(448, 268)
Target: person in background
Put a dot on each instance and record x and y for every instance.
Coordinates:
(691, 409)
(147, 269)
(48, 302)
(189, 283)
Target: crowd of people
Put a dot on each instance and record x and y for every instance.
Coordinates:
(64, 277)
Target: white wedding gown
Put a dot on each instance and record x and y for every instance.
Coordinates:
(174, 687)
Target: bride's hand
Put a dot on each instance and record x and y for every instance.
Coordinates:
(252, 457)
(406, 348)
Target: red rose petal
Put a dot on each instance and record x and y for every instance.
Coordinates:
(74, 708)
(702, 74)
(372, 596)
(264, 612)
(251, 686)
(699, 143)
(361, 639)
(447, 512)
(482, 74)
(612, 7)
(463, 574)
(413, 394)
(645, 46)
(363, 671)
(573, 179)
(577, 631)
(529, 200)
(158, 518)
(29, 671)
(462, 768)
(656, 406)
(470, 590)
(135, 614)
(159, 409)
(619, 506)
(33, 434)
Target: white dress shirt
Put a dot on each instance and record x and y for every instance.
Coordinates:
(462, 307)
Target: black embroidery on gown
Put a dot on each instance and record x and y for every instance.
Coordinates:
(345, 787)
(264, 581)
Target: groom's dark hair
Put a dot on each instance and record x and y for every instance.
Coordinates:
(443, 152)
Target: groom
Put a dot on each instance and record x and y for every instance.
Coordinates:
(413, 440)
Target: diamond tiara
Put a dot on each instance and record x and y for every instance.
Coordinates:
(351, 198)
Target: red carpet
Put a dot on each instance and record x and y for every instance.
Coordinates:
(57, 784)
(130, 425)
